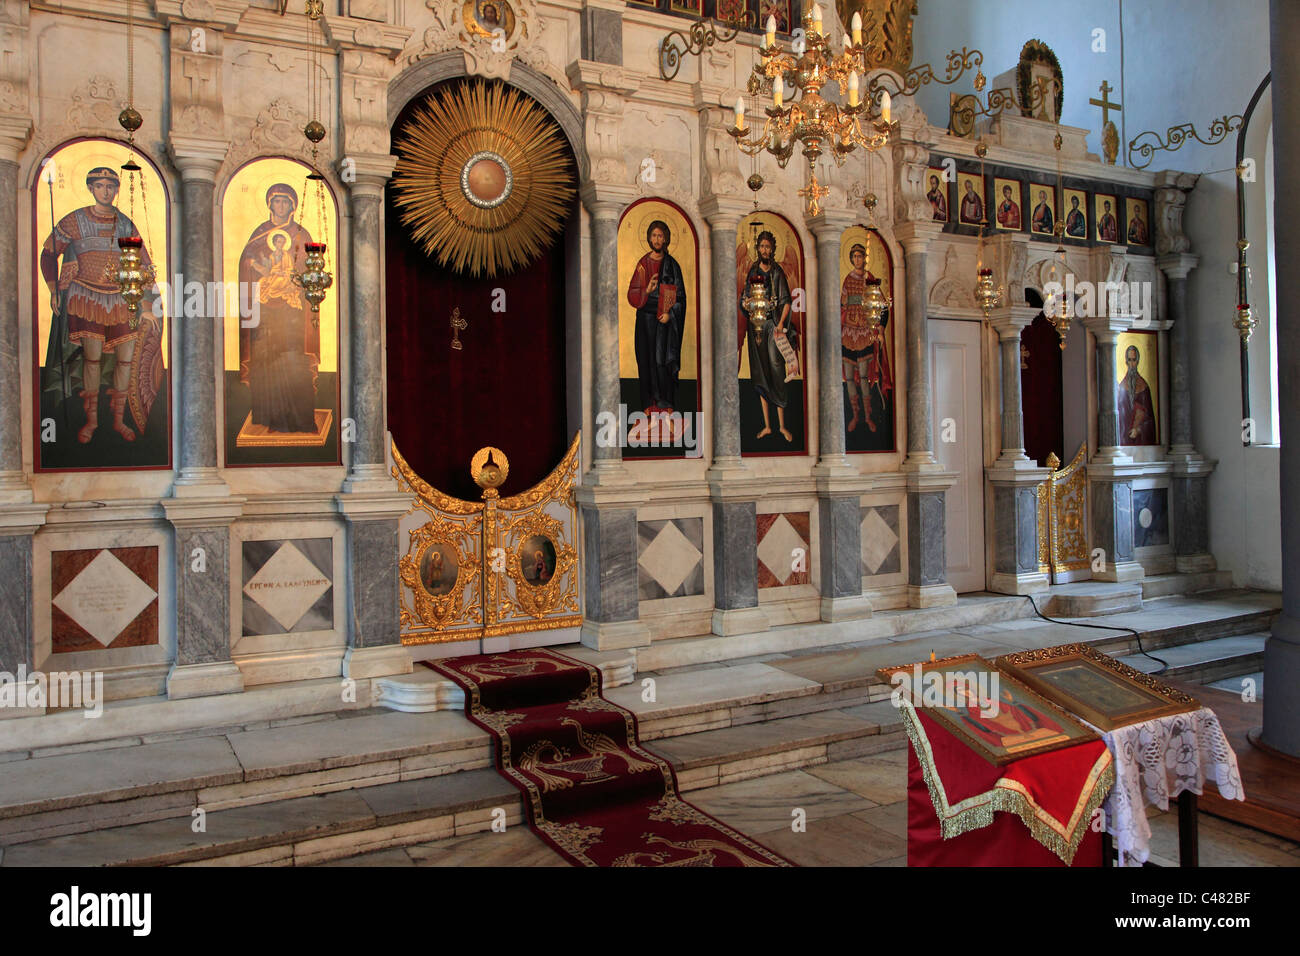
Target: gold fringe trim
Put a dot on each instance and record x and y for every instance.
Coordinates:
(1010, 796)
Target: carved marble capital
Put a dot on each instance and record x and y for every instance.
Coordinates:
(196, 78)
(910, 163)
(15, 90)
(604, 89)
(1171, 198)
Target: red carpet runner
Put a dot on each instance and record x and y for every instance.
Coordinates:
(591, 791)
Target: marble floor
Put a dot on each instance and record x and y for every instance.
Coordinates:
(856, 815)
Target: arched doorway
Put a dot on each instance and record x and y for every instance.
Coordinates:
(1041, 386)
(480, 230)
(500, 379)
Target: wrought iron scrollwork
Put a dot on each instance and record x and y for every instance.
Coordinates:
(1001, 99)
(959, 62)
(1148, 143)
(702, 35)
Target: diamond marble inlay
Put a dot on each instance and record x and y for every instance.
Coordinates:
(287, 585)
(104, 597)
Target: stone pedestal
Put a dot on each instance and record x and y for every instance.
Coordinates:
(927, 555)
(611, 612)
(18, 523)
(203, 566)
(371, 544)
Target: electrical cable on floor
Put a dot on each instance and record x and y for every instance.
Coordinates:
(1105, 627)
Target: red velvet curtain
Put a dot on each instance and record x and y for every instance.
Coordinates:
(505, 387)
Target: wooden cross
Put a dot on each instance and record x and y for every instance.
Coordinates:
(1105, 103)
(457, 323)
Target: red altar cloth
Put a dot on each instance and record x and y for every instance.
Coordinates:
(1035, 811)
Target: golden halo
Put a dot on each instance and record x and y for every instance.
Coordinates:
(471, 120)
(644, 223)
(270, 236)
(484, 475)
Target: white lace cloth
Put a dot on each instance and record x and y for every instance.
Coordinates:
(1157, 760)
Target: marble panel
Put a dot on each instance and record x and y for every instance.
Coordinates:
(783, 550)
(373, 550)
(926, 529)
(1150, 517)
(734, 543)
(104, 598)
(288, 586)
(202, 594)
(881, 552)
(15, 602)
(1191, 517)
(602, 36)
(670, 558)
(610, 564)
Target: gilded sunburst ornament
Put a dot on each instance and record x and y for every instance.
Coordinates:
(484, 178)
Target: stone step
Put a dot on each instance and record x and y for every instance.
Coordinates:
(1206, 661)
(971, 609)
(78, 792)
(295, 831)
(1167, 585)
(304, 830)
(49, 794)
(1092, 598)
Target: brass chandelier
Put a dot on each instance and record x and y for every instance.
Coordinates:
(810, 120)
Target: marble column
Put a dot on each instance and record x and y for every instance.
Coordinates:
(370, 504)
(1189, 498)
(608, 497)
(839, 482)
(1111, 470)
(198, 160)
(606, 455)
(1014, 476)
(927, 482)
(1282, 651)
(14, 488)
(735, 512)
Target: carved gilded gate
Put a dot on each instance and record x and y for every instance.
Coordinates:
(476, 569)
(1063, 520)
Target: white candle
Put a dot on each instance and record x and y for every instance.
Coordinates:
(740, 112)
(817, 18)
(778, 92)
(771, 30)
(853, 88)
(884, 106)
(856, 26)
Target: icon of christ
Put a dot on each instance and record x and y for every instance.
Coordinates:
(658, 293)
